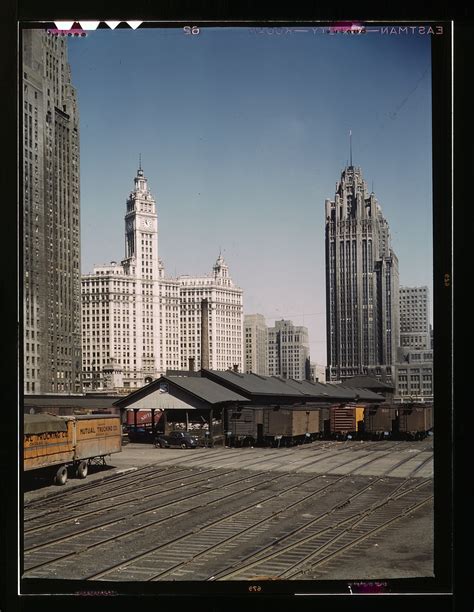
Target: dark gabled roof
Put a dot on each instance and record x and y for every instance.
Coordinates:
(202, 388)
(206, 389)
(331, 392)
(366, 382)
(254, 384)
(364, 395)
(307, 387)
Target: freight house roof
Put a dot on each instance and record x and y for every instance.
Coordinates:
(275, 386)
(202, 389)
(253, 384)
(331, 392)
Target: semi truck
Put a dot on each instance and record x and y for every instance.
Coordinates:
(59, 444)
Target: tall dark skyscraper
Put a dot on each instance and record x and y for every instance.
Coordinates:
(51, 230)
(362, 283)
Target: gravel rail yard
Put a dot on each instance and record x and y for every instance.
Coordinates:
(321, 510)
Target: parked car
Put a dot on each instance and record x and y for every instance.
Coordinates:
(140, 434)
(180, 439)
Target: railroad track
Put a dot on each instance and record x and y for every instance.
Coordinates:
(255, 514)
(323, 539)
(137, 488)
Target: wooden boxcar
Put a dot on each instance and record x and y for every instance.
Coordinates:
(345, 420)
(57, 443)
(270, 425)
(380, 421)
(415, 421)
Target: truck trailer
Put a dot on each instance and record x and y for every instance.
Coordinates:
(58, 443)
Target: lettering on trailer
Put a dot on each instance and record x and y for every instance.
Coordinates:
(104, 428)
(50, 435)
(87, 430)
(100, 429)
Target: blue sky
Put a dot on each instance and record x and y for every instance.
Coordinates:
(243, 136)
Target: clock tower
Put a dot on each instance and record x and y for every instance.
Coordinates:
(141, 265)
(141, 232)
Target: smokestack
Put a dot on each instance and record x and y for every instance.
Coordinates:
(191, 364)
(204, 334)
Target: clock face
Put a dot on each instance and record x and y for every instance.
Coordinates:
(146, 224)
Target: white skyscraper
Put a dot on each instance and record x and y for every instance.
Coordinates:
(130, 311)
(137, 323)
(225, 303)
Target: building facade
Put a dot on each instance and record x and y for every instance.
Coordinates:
(362, 284)
(414, 375)
(137, 323)
(256, 344)
(317, 373)
(50, 222)
(225, 319)
(130, 311)
(288, 351)
(415, 318)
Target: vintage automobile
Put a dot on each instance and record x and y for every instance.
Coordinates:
(179, 439)
(140, 434)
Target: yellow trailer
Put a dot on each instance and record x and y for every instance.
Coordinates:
(63, 442)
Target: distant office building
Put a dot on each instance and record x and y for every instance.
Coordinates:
(225, 319)
(50, 223)
(317, 373)
(256, 344)
(362, 283)
(415, 318)
(288, 351)
(414, 375)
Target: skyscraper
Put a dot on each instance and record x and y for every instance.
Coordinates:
(225, 313)
(361, 283)
(130, 311)
(256, 344)
(288, 351)
(137, 323)
(51, 225)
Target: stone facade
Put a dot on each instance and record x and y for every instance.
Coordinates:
(414, 375)
(415, 318)
(225, 304)
(137, 323)
(50, 222)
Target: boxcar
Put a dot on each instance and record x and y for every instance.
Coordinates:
(346, 420)
(415, 421)
(272, 426)
(379, 421)
(290, 426)
(56, 443)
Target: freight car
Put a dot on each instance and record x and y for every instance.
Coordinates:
(57, 443)
(346, 420)
(272, 425)
(414, 421)
(380, 422)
